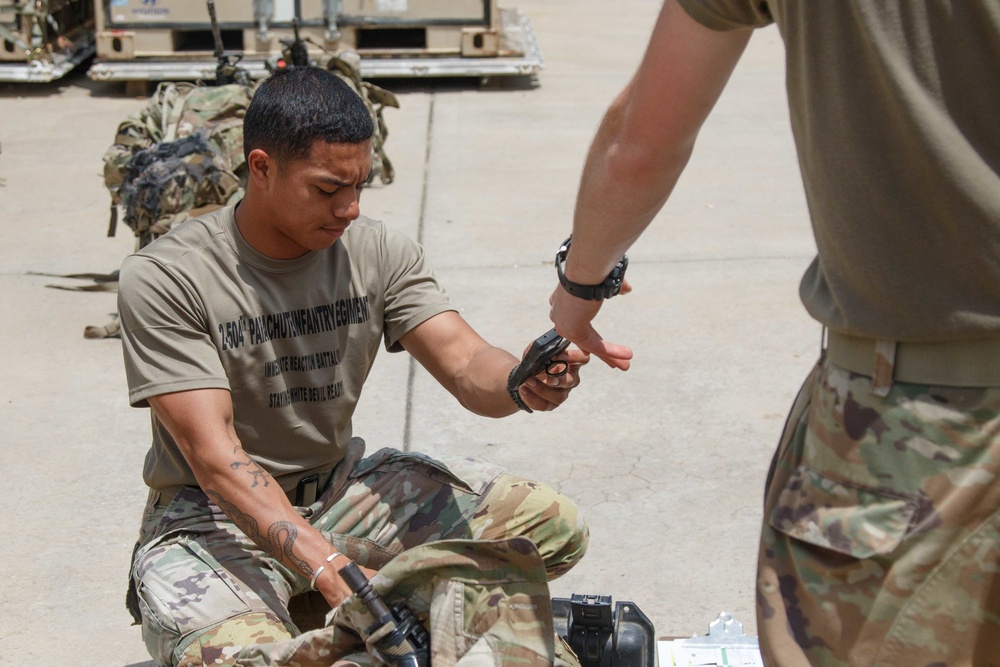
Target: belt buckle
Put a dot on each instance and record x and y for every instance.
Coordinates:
(307, 491)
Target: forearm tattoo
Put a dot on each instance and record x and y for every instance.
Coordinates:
(280, 538)
(281, 543)
(243, 521)
(252, 467)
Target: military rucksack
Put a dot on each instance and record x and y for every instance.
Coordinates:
(182, 155)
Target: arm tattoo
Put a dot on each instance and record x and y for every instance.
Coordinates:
(280, 538)
(243, 521)
(271, 543)
(252, 467)
(286, 548)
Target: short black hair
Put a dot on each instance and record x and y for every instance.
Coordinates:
(298, 105)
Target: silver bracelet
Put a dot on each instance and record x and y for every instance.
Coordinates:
(319, 570)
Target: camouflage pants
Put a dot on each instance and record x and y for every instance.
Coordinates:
(881, 536)
(202, 587)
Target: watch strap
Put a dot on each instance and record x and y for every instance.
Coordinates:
(609, 287)
(598, 292)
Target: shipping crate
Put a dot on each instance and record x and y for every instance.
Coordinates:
(172, 39)
(44, 40)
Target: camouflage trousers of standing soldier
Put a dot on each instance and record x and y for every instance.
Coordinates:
(203, 590)
(881, 536)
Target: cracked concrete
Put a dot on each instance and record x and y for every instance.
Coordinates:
(666, 461)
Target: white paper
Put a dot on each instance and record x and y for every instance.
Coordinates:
(391, 5)
(677, 653)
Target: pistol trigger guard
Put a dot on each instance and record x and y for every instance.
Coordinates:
(561, 365)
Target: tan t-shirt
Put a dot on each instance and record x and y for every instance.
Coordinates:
(894, 107)
(292, 340)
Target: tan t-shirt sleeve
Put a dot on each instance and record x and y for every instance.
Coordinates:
(166, 344)
(412, 293)
(728, 14)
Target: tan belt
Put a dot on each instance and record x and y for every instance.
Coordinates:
(968, 363)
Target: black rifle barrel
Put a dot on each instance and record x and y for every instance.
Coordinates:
(216, 32)
(407, 643)
(359, 584)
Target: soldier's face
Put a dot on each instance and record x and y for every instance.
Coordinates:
(315, 199)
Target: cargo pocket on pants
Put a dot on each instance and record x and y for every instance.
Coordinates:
(182, 590)
(840, 516)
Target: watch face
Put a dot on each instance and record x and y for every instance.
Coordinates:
(562, 252)
(607, 288)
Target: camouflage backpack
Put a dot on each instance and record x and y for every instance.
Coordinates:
(182, 155)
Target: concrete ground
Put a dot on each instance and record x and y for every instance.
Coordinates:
(667, 460)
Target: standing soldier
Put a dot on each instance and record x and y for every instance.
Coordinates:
(881, 534)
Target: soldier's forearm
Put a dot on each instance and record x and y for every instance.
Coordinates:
(201, 423)
(257, 505)
(482, 385)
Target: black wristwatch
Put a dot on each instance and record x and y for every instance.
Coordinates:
(610, 287)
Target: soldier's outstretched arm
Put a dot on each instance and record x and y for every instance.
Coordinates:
(475, 372)
(201, 422)
(640, 149)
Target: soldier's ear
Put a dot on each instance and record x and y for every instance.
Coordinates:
(261, 165)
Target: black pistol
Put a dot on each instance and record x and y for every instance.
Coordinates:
(538, 359)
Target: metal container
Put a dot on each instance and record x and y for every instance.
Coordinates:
(43, 40)
(171, 39)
